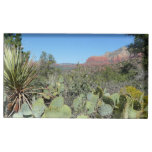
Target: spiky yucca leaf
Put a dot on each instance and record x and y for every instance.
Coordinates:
(18, 74)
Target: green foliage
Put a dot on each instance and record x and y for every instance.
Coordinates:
(61, 79)
(107, 95)
(108, 74)
(25, 110)
(63, 112)
(60, 87)
(99, 104)
(78, 103)
(18, 115)
(77, 83)
(46, 96)
(108, 100)
(13, 40)
(105, 110)
(91, 104)
(115, 97)
(87, 106)
(82, 117)
(99, 91)
(140, 45)
(18, 75)
(145, 100)
(132, 92)
(126, 68)
(117, 105)
(122, 103)
(92, 98)
(57, 109)
(133, 109)
(66, 111)
(133, 114)
(90, 107)
(137, 106)
(46, 60)
(57, 103)
(38, 108)
(46, 70)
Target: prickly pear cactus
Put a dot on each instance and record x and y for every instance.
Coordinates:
(62, 112)
(18, 115)
(99, 104)
(90, 107)
(99, 91)
(107, 94)
(137, 106)
(115, 98)
(105, 110)
(60, 87)
(46, 94)
(91, 103)
(82, 116)
(132, 92)
(108, 100)
(78, 103)
(38, 108)
(25, 110)
(134, 114)
(92, 98)
(57, 103)
(122, 102)
(57, 109)
(65, 111)
(129, 112)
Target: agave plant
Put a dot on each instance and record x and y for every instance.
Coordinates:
(18, 74)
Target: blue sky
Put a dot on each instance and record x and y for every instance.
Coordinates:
(73, 48)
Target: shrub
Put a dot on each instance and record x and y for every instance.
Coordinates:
(131, 91)
(18, 74)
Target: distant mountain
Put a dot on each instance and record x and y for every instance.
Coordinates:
(109, 57)
(114, 57)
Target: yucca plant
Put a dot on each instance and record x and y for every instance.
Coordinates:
(18, 74)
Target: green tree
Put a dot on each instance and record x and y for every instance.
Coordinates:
(140, 45)
(13, 40)
(46, 60)
(126, 68)
(26, 55)
(107, 74)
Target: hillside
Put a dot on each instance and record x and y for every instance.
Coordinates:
(110, 57)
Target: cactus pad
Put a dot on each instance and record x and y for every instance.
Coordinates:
(105, 110)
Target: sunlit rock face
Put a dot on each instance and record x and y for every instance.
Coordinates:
(110, 57)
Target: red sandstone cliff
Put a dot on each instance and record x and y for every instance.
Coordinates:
(110, 57)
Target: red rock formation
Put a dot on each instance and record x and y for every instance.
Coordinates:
(96, 59)
(109, 57)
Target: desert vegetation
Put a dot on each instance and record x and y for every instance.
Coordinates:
(40, 89)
